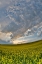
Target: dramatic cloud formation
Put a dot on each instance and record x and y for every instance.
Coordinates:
(20, 21)
(5, 36)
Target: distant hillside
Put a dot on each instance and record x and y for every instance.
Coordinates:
(28, 45)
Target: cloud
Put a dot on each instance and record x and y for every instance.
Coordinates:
(27, 32)
(26, 39)
(13, 19)
(4, 3)
(0, 3)
(5, 36)
(0, 27)
(33, 34)
(22, 19)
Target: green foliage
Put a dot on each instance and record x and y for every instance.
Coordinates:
(18, 55)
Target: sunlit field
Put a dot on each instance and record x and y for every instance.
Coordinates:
(21, 54)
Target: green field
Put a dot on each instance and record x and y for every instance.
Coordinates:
(21, 54)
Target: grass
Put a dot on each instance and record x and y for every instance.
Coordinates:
(21, 54)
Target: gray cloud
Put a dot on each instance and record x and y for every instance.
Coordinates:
(4, 3)
(5, 36)
(21, 18)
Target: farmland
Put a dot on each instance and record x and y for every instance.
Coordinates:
(21, 54)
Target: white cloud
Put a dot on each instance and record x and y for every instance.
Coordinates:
(26, 39)
(5, 36)
(13, 19)
(21, 13)
(22, 17)
(39, 32)
(26, 33)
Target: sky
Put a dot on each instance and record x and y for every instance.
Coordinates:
(20, 21)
